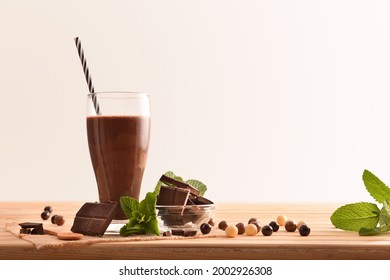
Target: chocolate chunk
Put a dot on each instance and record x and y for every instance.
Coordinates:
(178, 232)
(25, 230)
(172, 196)
(190, 232)
(167, 233)
(37, 228)
(200, 200)
(179, 184)
(94, 218)
(184, 232)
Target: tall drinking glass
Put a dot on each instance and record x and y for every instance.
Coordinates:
(118, 140)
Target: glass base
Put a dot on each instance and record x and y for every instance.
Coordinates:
(115, 226)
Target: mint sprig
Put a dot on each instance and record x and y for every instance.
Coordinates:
(141, 215)
(354, 216)
(202, 188)
(364, 217)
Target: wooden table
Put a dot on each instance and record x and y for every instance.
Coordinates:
(324, 242)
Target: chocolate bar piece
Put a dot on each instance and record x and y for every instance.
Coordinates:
(184, 232)
(37, 228)
(179, 184)
(199, 200)
(172, 196)
(94, 218)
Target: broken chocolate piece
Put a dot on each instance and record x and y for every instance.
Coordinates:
(200, 200)
(190, 232)
(179, 232)
(25, 230)
(37, 228)
(94, 218)
(172, 196)
(179, 184)
(184, 232)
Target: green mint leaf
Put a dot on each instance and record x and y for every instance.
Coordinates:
(170, 174)
(369, 231)
(353, 217)
(152, 228)
(374, 231)
(128, 205)
(178, 178)
(377, 189)
(142, 215)
(384, 216)
(148, 206)
(202, 188)
(127, 230)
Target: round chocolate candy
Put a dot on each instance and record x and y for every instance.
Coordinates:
(290, 226)
(304, 230)
(241, 228)
(266, 230)
(59, 220)
(45, 215)
(274, 225)
(48, 209)
(205, 228)
(252, 220)
(222, 225)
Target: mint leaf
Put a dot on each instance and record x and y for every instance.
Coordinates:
(198, 185)
(374, 231)
(384, 216)
(142, 215)
(128, 205)
(170, 174)
(353, 217)
(148, 206)
(377, 189)
(369, 231)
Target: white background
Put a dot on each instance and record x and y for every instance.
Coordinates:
(264, 101)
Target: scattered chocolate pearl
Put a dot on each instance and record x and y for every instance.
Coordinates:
(266, 230)
(256, 223)
(205, 228)
(231, 231)
(281, 220)
(274, 225)
(252, 220)
(211, 222)
(300, 223)
(304, 230)
(45, 215)
(53, 219)
(251, 230)
(167, 233)
(222, 225)
(59, 220)
(48, 209)
(290, 226)
(241, 228)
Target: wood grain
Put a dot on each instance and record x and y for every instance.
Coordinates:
(324, 242)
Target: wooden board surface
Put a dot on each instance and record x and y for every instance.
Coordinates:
(324, 242)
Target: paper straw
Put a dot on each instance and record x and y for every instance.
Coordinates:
(87, 75)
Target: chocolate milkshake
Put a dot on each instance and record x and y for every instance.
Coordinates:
(118, 148)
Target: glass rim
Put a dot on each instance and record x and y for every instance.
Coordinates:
(119, 94)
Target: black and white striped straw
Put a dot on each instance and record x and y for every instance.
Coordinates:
(87, 75)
